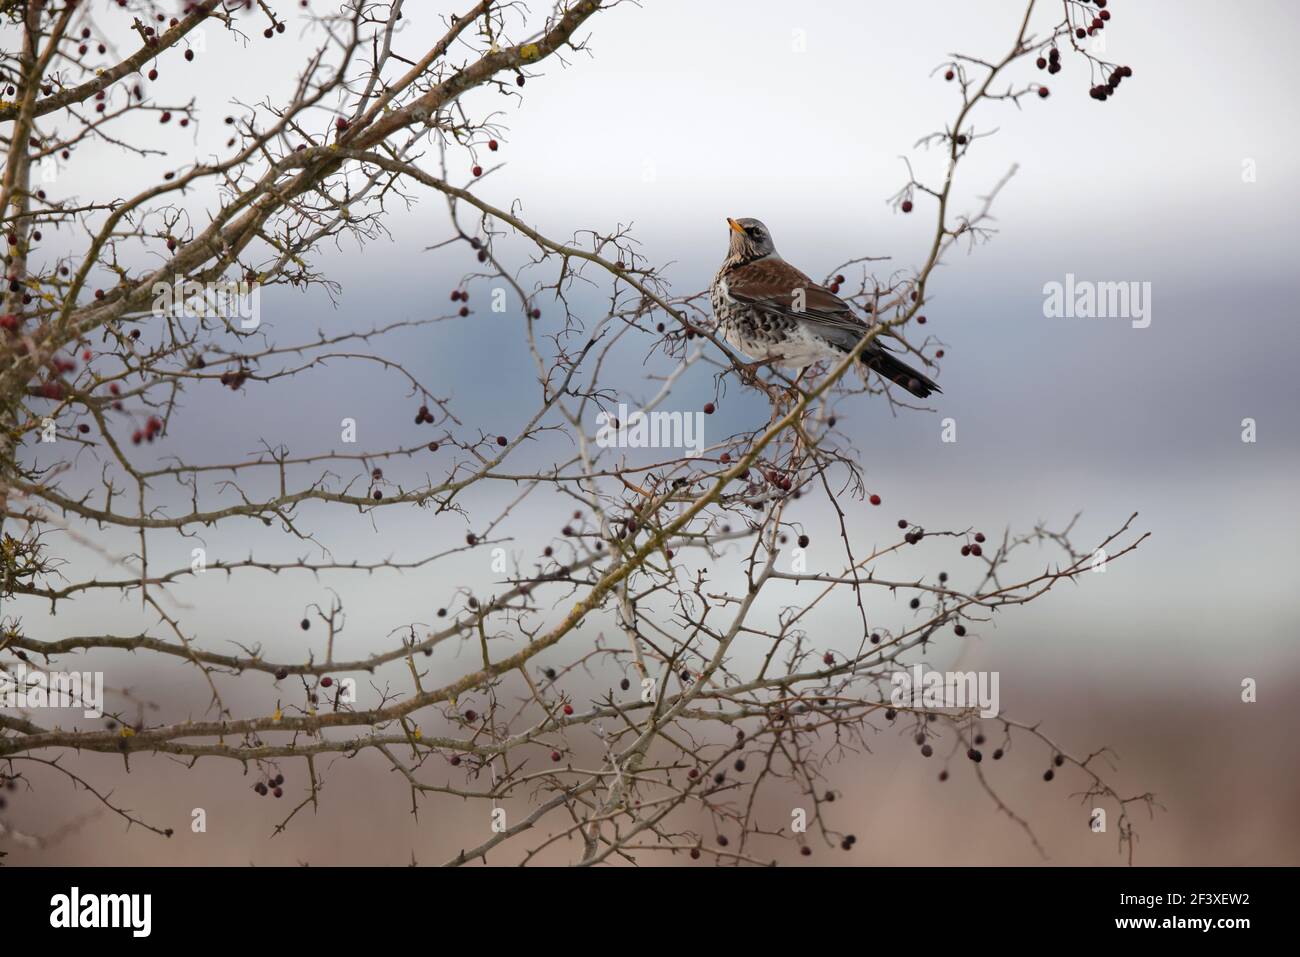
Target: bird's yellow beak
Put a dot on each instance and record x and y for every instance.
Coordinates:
(735, 225)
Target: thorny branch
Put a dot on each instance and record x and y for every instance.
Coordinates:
(710, 678)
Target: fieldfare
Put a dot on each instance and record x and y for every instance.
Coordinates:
(772, 312)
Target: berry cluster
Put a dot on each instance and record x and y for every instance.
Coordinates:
(1104, 90)
(271, 785)
(152, 428)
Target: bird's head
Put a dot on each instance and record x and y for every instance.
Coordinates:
(750, 239)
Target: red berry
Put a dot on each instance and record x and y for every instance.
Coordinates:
(326, 681)
(477, 171)
(568, 708)
(492, 145)
(709, 408)
(555, 755)
(907, 206)
(1043, 92)
(875, 500)
(471, 715)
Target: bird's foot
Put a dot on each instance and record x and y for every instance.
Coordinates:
(748, 372)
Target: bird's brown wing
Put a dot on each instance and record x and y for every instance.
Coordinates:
(776, 285)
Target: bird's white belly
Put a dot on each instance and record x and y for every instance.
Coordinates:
(796, 350)
(800, 350)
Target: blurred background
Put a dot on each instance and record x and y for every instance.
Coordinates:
(679, 115)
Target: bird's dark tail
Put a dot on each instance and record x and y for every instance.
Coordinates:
(893, 369)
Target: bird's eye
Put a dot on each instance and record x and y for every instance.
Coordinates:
(754, 232)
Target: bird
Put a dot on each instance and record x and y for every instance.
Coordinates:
(772, 312)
